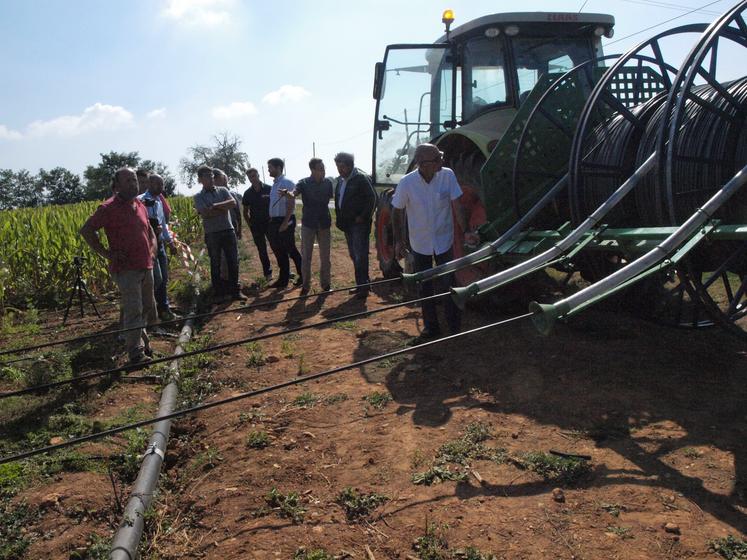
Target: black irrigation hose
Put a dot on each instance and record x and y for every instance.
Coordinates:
(193, 317)
(130, 367)
(241, 396)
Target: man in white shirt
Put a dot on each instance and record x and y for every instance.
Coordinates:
(282, 228)
(426, 195)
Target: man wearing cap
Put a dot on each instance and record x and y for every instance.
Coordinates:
(426, 195)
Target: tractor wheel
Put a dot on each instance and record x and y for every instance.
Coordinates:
(384, 235)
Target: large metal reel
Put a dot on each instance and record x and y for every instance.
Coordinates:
(543, 147)
(704, 140)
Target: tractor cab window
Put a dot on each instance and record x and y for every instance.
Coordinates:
(536, 56)
(483, 75)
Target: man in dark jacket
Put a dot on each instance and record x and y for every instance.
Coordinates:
(355, 201)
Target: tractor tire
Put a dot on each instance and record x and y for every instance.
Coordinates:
(384, 234)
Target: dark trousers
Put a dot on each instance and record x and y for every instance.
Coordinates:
(259, 233)
(223, 242)
(442, 284)
(162, 262)
(357, 237)
(283, 244)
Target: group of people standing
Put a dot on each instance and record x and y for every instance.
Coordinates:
(135, 220)
(269, 211)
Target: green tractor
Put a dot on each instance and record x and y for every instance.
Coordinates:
(463, 93)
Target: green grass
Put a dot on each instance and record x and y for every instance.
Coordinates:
(306, 400)
(345, 325)
(13, 477)
(286, 505)
(358, 505)
(730, 548)
(622, 532)
(195, 379)
(335, 399)
(313, 554)
(15, 521)
(470, 447)
(257, 440)
(432, 545)
(566, 470)
(378, 400)
(436, 474)
(97, 548)
(256, 356)
(127, 463)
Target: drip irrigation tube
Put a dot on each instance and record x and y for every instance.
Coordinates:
(248, 394)
(193, 317)
(230, 344)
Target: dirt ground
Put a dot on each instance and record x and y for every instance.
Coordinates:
(660, 412)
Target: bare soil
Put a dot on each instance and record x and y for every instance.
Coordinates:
(660, 411)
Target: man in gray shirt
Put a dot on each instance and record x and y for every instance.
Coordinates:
(214, 205)
(315, 192)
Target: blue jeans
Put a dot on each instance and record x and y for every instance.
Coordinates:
(443, 283)
(161, 278)
(357, 236)
(223, 242)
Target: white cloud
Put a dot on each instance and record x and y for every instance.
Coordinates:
(209, 13)
(235, 110)
(9, 134)
(286, 94)
(96, 117)
(156, 113)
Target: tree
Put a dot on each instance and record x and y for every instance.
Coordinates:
(99, 178)
(225, 154)
(19, 189)
(60, 186)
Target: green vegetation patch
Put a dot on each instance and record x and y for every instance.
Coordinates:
(306, 400)
(312, 554)
(257, 440)
(378, 399)
(567, 470)
(436, 474)
(286, 505)
(15, 520)
(358, 505)
(729, 547)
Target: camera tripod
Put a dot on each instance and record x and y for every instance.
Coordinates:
(80, 288)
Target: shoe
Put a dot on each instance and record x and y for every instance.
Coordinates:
(148, 351)
(278, 285)
(298, 281)
(238, 296)
(304, 292)
(168, 315)
(361, 294)
(326, 288)
(268, 276)
(429, 334)
(353, 291)
(219, 298)
(140, 360)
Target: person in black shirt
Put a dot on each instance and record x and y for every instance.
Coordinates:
(256, 203)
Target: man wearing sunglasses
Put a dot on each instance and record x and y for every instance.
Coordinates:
(426, 196)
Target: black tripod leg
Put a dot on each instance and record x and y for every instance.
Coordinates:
(69, 304)
(79, 289)
(90, 298)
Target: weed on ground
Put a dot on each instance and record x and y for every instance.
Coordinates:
(358, 505)
(565, 470)
(286, 505)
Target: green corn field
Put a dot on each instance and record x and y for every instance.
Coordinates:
(38, 246)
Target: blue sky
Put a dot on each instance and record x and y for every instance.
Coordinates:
(82, 77)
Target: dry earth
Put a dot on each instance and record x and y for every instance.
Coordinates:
(660, 411)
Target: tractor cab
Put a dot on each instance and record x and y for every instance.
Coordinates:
(463, 91)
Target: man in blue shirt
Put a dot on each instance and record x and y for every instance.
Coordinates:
(282, 228)
(152, 200)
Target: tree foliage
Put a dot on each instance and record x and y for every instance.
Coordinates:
(60, 185)
(19, 189)
(224, 153)
(99, 177)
